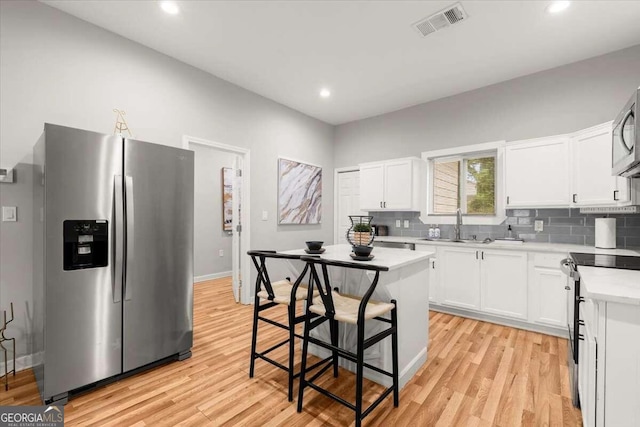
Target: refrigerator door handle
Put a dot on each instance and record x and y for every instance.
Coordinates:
(119, 238)
(128, 193)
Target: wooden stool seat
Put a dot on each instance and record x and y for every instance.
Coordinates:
(282, 292)
(347, 306)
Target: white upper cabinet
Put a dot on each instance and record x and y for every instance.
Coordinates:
(593, 184)
(538, 173)
(396, 185)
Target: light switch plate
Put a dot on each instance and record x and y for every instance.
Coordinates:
(406, 223)
(538, 225)
(9, 214)
(398, 223)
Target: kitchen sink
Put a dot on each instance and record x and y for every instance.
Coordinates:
(485, 241)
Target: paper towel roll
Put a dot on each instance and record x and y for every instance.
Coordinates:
(606, 233)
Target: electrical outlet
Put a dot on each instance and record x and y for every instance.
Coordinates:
(398, 223)
(265, 215)
(221, 252)
(538, 225)
(406, 223)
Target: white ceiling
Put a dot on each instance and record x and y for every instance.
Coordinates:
(367, 53)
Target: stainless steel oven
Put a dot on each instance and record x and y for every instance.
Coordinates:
(572, 287)
(626, 141)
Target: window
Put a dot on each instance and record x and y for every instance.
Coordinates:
(468, 183)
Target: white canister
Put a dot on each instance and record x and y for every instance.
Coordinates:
(606, 233)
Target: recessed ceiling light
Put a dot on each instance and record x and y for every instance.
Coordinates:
(325, 93)
(170, 7)
(558, 6)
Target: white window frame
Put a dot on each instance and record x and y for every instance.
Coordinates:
(428, 217)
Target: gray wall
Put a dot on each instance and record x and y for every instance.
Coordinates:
(560, 100)
(16, 255)
(56, 68)
(210, 238)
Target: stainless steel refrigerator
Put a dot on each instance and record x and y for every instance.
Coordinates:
(113, 262)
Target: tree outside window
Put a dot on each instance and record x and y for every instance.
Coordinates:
(467, 183)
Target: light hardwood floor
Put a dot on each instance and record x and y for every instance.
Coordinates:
(478, 374)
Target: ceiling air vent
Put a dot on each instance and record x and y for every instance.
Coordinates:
(441, 20)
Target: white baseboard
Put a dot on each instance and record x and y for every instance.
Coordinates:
(23, 362)
(206, 277)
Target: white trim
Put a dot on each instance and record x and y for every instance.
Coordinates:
(245, 271)
(205, 277)
(336, 171)
(465, 150)
(23, 362)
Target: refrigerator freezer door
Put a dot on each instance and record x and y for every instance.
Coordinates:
(83, 323)
(158, 303)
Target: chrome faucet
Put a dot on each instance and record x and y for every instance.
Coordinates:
(458, 224)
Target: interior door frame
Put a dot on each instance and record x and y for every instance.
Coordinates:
(336, 198)
(245, 239)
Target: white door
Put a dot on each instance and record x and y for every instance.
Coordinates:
(592, 180)
(459, 275)
(398, 177)
(348, 202)
(504, 283)
(372, 187)
(537, 173)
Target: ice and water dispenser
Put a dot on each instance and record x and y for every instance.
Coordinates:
(86, 244)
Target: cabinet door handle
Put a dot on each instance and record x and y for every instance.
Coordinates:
(615, 195)
(433, 265)
(507, 199)
(476, 254)
(385, 204)
(380, 204)
(482, 255)
(574, 198)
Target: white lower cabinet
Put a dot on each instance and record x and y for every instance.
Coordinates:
(459, 277)
(490, 281)
(547, 293)
(608, 369)
(503, 283)
(433, 287)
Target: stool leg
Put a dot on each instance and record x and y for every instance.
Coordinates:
(334, 341)
(359, 372)
(394, 352)
(292, 331)
(254, 336)
(303, 365)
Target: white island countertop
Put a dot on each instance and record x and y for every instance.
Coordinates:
(610, 284)
(386, 257)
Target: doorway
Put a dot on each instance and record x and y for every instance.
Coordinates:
(221, 173)
(347, 200)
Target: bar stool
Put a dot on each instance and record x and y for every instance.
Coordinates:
(335, 307)
(281, 292)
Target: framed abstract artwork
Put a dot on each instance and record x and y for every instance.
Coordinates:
(227, 199)
(299, 192)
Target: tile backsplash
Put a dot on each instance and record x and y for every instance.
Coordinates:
(560, 226)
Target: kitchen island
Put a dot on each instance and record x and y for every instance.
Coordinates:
(406, 282)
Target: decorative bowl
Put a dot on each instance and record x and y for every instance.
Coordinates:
(362, 250)
(314, 245)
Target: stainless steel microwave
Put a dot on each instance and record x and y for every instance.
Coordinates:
(626, 141)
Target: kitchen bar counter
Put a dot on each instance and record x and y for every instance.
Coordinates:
(407, 281)
(526, 246)
(610, 284)
(391, 258)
